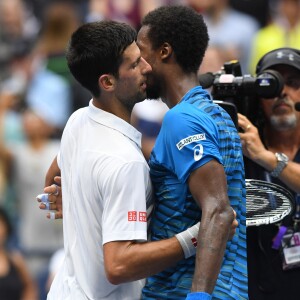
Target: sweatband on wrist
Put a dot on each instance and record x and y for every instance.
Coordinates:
(188, 240)
(198, 296)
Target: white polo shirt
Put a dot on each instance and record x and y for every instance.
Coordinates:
(106, 194)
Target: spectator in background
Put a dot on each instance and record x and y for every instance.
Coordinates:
(36, 238)
(18, 31)
(213, 60)
(283, 30)
(11, 95)
(15, 280)
(128, 11)
(97, 10)
(60, 20)
(50, 95)
(230, 30)
(259, 9)
(40, 74)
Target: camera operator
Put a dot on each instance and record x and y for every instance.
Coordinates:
(272, 153)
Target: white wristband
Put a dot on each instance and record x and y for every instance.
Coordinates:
(188, 240)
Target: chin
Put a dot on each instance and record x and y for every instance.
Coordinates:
(282, 123)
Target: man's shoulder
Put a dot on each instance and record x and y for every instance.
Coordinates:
(76, 117)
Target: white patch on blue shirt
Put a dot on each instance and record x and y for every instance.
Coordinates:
(190, 139)
(198, 152)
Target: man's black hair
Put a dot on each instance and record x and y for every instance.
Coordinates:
(184, 29)
(97, 48)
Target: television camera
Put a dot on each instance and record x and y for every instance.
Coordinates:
(240, 93)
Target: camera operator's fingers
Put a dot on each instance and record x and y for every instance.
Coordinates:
(244, 123)
(242, 117)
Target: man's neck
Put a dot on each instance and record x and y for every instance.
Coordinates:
(113, 107)
(177, 86)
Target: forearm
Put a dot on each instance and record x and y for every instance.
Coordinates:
(290, 174)
(212, 239)
(52, 172)
(140, 260)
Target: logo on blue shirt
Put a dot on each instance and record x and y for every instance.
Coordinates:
(198, 152)
(190, 139)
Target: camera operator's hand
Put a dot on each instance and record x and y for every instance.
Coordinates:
(253, 148)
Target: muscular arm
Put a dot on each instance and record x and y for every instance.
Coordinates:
(209, 189)
(254, 149)
(128, 260)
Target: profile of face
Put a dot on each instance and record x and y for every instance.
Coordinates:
(280, 111)
(152, 57)
(131, 82)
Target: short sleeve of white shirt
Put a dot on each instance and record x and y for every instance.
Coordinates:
(124, 203)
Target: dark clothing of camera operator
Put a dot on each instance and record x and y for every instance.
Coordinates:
(272, 153)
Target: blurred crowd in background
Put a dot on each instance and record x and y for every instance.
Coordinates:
(38, 94)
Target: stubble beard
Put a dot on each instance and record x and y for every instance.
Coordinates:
(283, 123)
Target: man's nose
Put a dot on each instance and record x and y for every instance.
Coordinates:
(147, 68)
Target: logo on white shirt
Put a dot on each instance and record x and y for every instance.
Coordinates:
(198, 152)
(137, 216)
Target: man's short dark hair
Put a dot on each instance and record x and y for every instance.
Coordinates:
(97, 48)
(184, 29)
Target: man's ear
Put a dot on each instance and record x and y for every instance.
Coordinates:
(106, 82)
(166, 51)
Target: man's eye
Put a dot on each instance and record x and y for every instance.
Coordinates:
(293, 83)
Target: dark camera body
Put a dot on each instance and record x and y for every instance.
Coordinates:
(243, 91)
